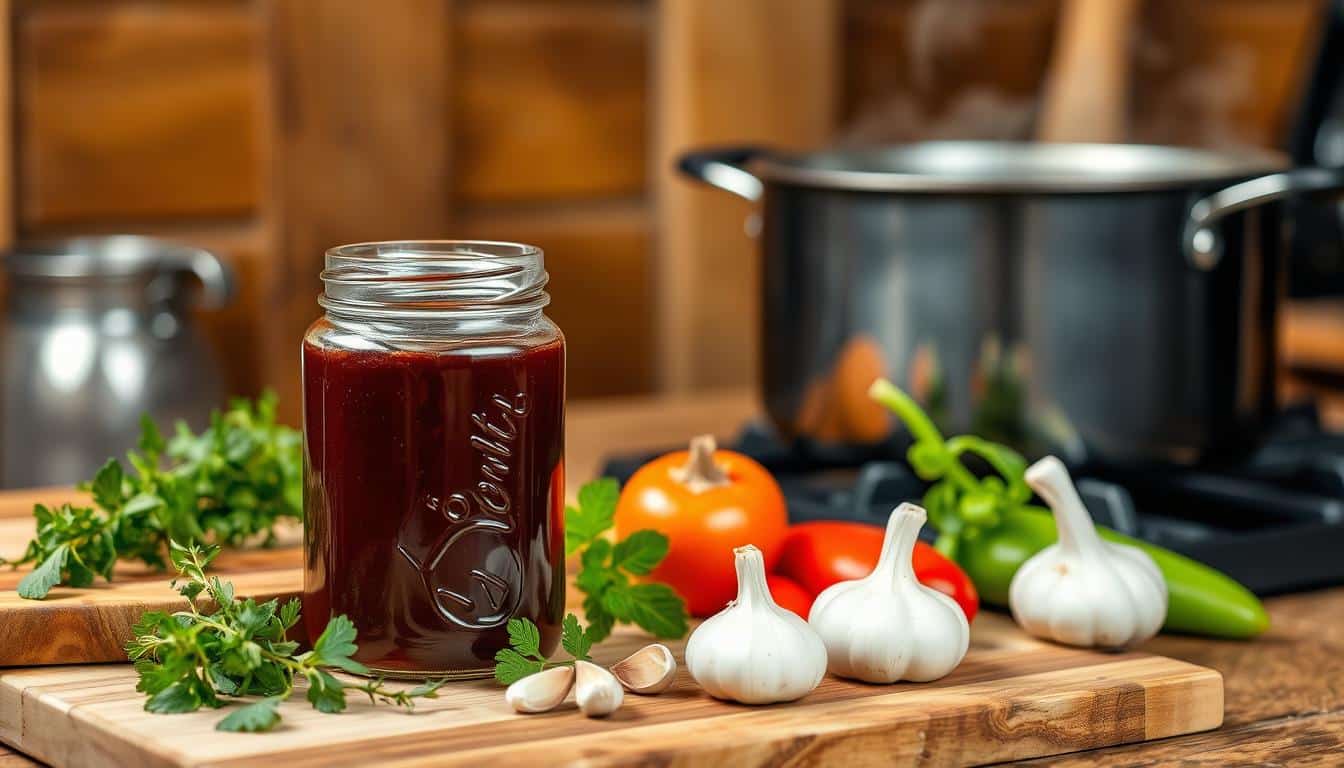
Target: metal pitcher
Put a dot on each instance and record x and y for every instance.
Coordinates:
(98, 331)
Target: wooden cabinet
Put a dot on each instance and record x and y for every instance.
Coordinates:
(136, 112)
(270, 130)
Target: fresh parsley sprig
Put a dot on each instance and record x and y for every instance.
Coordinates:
(523, 657)
(609, 573)
(189, 659)
(228, 485)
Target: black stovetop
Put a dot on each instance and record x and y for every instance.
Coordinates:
(1275, 523)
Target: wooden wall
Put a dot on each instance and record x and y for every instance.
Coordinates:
(272, 129)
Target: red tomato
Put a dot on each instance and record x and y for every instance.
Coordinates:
(707, 502)
(788, 595)
(821, 553)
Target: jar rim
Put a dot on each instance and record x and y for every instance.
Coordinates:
(415, 278)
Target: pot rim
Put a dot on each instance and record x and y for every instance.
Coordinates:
(1013, 167)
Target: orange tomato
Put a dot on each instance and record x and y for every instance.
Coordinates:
(707, 502)
(788, 595)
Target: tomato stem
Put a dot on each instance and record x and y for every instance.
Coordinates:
(701, 472)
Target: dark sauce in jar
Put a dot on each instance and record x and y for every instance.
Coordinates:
(434, 497)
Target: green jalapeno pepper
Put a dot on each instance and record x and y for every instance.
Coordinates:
(989, 527)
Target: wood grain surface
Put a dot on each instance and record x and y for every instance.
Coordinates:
(1012, 698)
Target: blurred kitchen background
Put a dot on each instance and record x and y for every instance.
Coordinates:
(267, 131)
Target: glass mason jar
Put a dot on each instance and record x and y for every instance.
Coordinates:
(434, 392)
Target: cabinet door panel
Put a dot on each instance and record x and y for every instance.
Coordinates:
(136, 111)
(550, 101)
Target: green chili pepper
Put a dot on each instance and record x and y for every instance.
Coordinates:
(990, 529)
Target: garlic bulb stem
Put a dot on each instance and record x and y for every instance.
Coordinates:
(1050, 479)
(751, 586)
(896, 561)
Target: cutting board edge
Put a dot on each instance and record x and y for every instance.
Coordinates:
(102, 629)
(1094, 717)
(1205, 686)
(904, 737)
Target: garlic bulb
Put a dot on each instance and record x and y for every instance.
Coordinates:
(753, 651)
(887, 626)
(1082, 590)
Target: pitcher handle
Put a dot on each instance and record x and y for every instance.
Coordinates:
(215, 276)
(1203, 246)
(723, 167)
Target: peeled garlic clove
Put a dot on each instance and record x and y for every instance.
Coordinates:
(1083, 590)
(541, 692)
(596, 690)
(753, 651)
(647, 671)
(887, 626)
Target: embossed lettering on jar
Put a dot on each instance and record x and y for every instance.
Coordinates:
(434, 425)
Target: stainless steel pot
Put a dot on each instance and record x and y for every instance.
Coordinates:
(1111, 302)
(98, 331)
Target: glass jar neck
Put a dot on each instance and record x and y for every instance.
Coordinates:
(462, 286)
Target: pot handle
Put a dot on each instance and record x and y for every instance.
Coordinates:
(722, 167)
(1204, 248)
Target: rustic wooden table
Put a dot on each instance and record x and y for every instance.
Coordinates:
(1284, 691)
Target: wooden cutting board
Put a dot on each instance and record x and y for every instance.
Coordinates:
(91, 625)
(1013, 697)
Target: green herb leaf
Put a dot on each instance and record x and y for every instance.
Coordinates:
(427, 690)
(657, 609)
(573, 639)
(37, 584)
(181, 696)
(289, 613)
(512, 666)
(325, 692)
(595, 514)
(337, 640)
(600, 620)
(106, 486)
(525, 637)
(260, 715)
(142, 503)
(640, 552)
